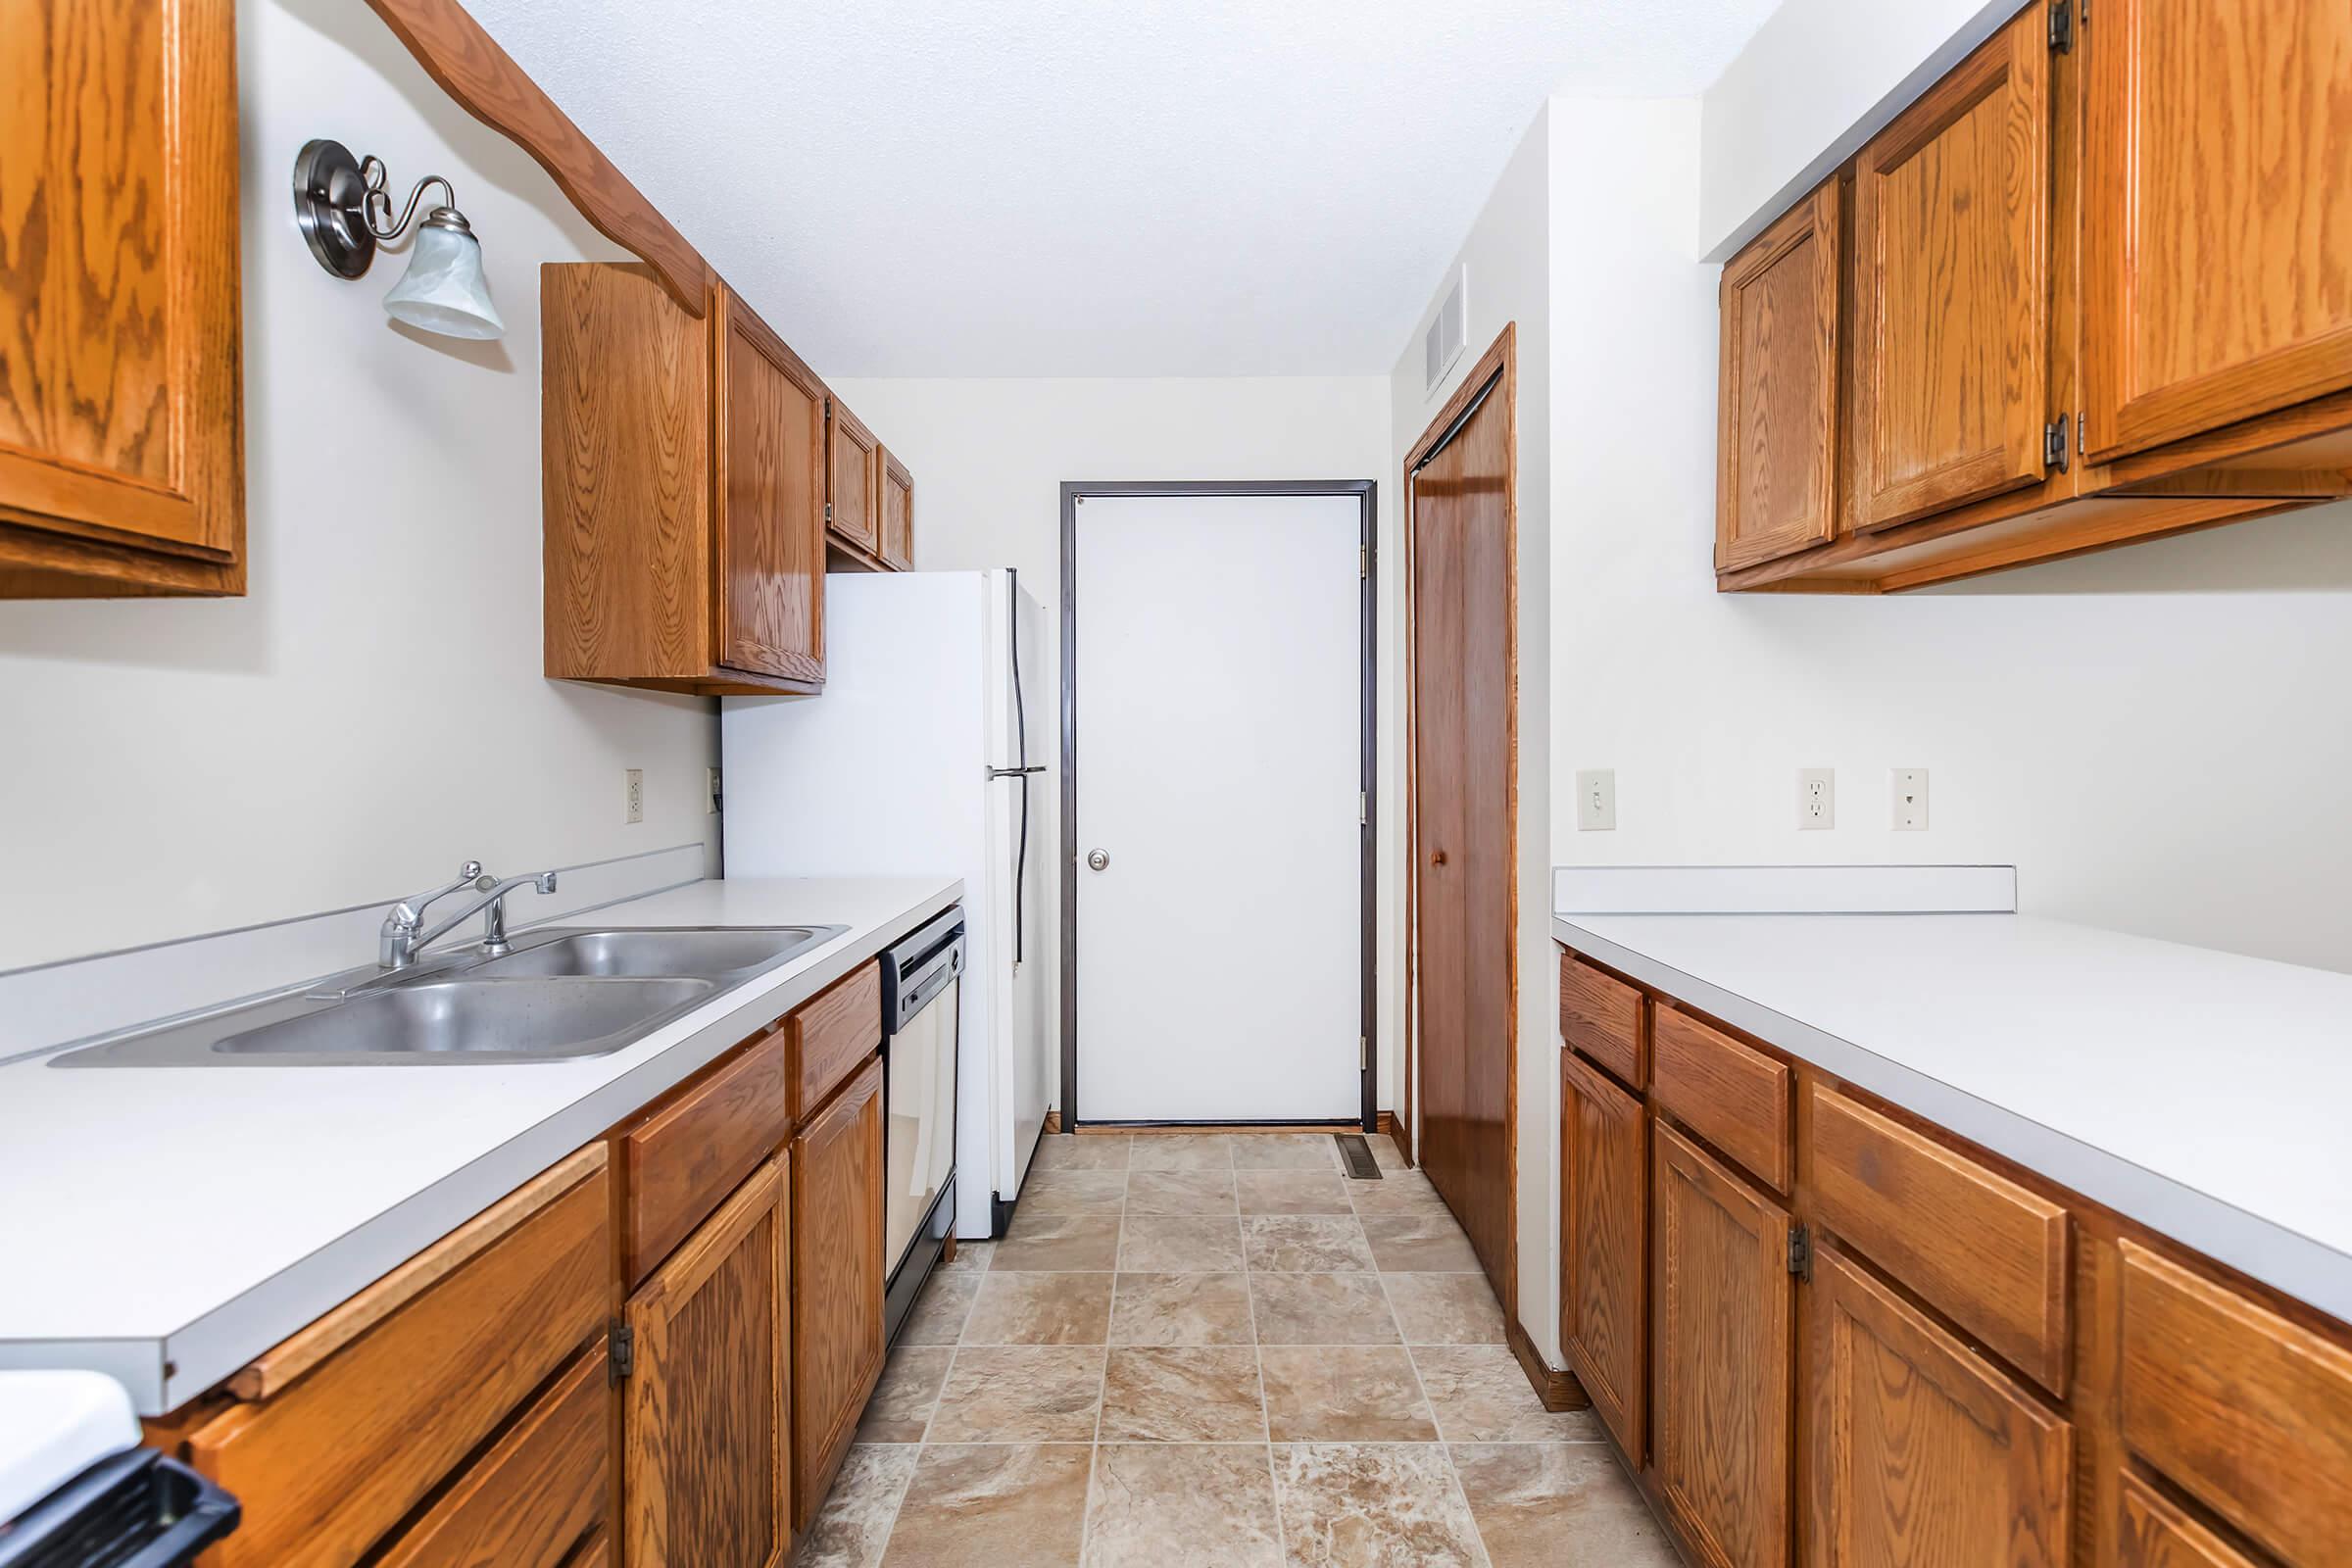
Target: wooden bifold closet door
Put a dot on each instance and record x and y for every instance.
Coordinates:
(1461, 696)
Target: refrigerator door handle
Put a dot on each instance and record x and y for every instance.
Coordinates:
(1015, 772)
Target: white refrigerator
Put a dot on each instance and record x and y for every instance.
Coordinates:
(927, 753)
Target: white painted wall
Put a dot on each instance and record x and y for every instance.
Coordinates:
(989, 459)
(372, 711)
(2157, 736)
(1818, 80)
(1508, 253)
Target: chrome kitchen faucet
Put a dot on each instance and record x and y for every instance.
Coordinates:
(403, 941)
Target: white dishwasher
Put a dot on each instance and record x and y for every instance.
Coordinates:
(921, 990)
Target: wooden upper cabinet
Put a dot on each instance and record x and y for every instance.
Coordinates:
(1722, 1359)
(705, 1461)
(1921, 1450)
(2217, 271)
(837, 1269)
(855, 459)
(683, 482)
(897, 513)
(771, 488)
(1776, 447)
(121, 423)
(1604, 1230)
(1952, 286)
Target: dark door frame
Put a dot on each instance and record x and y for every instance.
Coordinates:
(1075, 492)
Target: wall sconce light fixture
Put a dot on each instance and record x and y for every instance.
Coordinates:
(344, 211)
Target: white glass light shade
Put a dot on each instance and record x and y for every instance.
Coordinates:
(444, 290)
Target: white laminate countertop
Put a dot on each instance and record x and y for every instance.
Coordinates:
(2199, 1093)
(165, 1225)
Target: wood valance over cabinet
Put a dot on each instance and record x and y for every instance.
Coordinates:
(2093, 286)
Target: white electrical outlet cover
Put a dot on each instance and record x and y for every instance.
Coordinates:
(633, 794)
(1596, 800)
(1815, 797)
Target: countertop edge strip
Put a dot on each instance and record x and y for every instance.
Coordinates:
(2285, 1260)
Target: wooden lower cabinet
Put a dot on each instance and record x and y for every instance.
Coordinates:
(1926, 1357)
(837, 1269)
(1605, 1224)
(704, 1445)
(1921, 1452)
(1722, 1358)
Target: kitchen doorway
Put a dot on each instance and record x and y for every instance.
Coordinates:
(1461, 740)
(1217, 803)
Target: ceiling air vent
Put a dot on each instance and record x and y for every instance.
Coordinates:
(1447, 334)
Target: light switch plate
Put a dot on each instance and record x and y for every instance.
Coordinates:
(1815, 797)
(1909, 806)
(1596, 800)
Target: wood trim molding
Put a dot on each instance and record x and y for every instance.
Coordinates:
(1556, 1388)
(279, 1367)
(485, 82)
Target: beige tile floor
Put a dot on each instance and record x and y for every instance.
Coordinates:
(1215, 1351)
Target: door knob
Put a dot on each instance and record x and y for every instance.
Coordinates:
(1096, 860)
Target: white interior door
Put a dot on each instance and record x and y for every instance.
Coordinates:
(1219, 679)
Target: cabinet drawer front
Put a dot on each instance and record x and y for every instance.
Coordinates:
(687, 1157)
(326, 1467)
(1602, 1018)
(1604, 1230)
(528, 1500)
(2154, 1532)
(1983, 1251)
(1922, 1450)
(1734, 1098)
(831, 1035)
(2248, 1411)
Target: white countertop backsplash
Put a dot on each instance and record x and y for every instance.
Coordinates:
(164, 1225)
(2202, 1094)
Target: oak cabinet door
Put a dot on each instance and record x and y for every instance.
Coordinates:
(705, 1461)
(2217, 243)
(1951, 287)
(1923, 1452)
(837, 1269)
(1604, 1227)
(1719, 1441)
(856, 460)
(1778, 404)
(898, 513)
(121, 407)
(770, 449)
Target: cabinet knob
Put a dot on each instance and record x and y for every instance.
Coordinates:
(1437, 857)
(1096, 858)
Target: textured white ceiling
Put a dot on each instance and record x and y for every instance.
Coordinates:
(1052, 187)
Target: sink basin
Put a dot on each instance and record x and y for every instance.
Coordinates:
(709, 953)
(562, 993)
(513, 1020)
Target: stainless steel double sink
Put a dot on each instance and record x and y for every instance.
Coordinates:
(559, 995)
